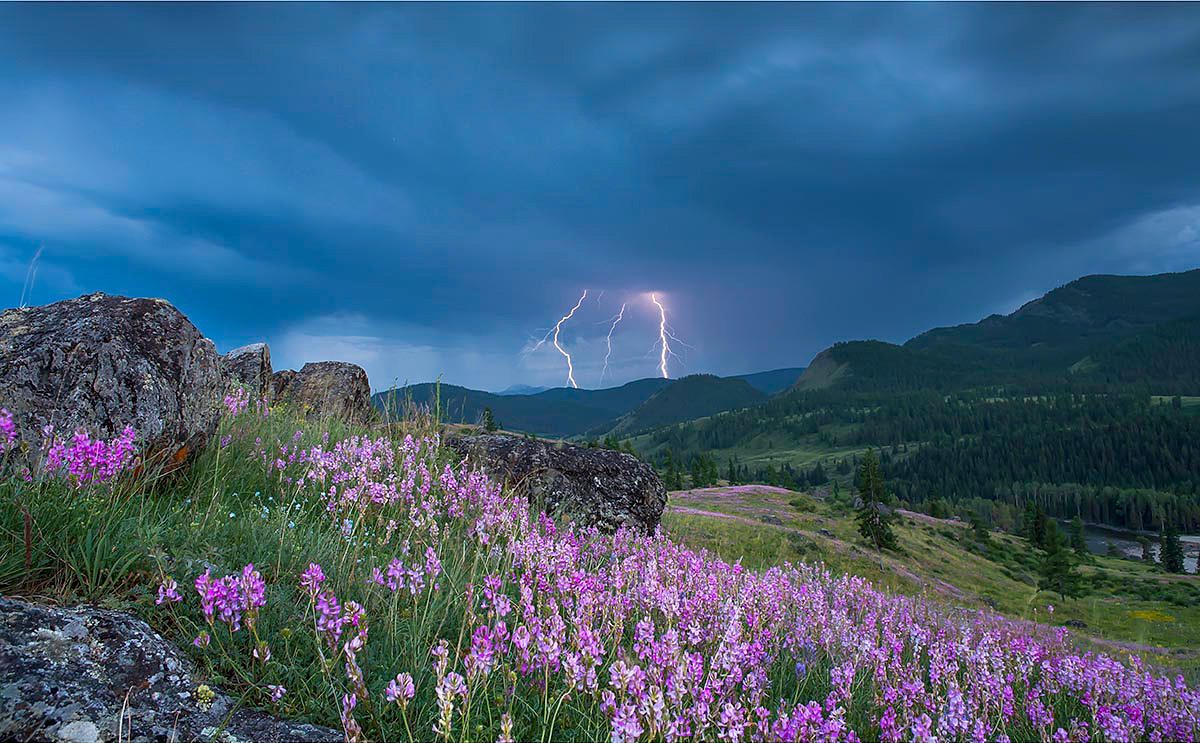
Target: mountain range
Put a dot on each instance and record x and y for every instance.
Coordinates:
(566, 411)
(1098, 330)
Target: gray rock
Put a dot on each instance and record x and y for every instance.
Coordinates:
(249, 366)
(825, 533)
(1075, 624)
(326, 389)
(58, 687)
(282, 383)
(882, 508)
(607, 489)
(104, 362)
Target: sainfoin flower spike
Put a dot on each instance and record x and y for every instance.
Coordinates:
(86, 460)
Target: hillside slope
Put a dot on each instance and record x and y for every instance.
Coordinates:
(1126, 603)
(694, 396)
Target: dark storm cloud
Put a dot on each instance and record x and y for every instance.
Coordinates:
(421, 188)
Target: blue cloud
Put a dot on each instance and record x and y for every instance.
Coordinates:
(451, 176)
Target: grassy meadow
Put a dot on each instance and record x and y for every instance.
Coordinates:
(360, 578)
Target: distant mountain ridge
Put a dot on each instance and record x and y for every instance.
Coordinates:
(566, 411)
(521, 389)
(1063, 332)
(555, 412)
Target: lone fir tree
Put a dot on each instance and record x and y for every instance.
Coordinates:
(874, 517)
(489, 421)
(1057, 569)
(1171, 550)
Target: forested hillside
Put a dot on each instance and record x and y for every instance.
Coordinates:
(1078, 401)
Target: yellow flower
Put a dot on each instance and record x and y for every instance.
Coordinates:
(1151, 616)
(204, 697)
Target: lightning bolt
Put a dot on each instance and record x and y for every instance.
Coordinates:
(608, 341)
(554, 332)
(664, 335)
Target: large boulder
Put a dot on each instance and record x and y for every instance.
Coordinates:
(282, 383)
(326, 389)
(592, 487)
(87, 674)
(105, 362)
(250, 367)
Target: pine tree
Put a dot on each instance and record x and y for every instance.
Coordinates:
(489, 421)
(1171, 550)
(979, 528)
(1057, 572)
(818, 476)
(731, 473)
(874, 517)
(673, 479)
(1029, 524)
(1078, 542)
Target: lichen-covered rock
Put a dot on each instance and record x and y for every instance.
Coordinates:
(326, 389)
(105, 362)
(250, 367)
(282, 382)
(84, 673)
(600, 487)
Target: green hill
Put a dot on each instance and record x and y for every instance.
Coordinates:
(694, 396)
(1071, 329)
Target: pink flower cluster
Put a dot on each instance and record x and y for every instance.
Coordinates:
(88, 460)
(168, 592)
(236, 401)
(413, 578)
(232, 598)
(8, 431)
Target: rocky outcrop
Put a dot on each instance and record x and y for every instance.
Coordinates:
(105, 362)
(282, 383)
(250, 367)
(326, 389)
(600, 487)
(85, 674)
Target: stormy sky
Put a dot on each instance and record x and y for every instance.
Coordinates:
(425, 190)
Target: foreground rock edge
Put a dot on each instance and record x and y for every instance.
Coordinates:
(84, 673)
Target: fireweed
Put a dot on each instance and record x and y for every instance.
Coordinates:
(451, 609)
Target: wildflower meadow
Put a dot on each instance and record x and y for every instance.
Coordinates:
(368, 580)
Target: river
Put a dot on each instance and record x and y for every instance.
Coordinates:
(1100, 537)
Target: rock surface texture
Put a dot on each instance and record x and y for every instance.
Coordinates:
(87, 674)
(105, 362)
(607, 489)
(249, 366)
(282, 382)
(326, 388)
